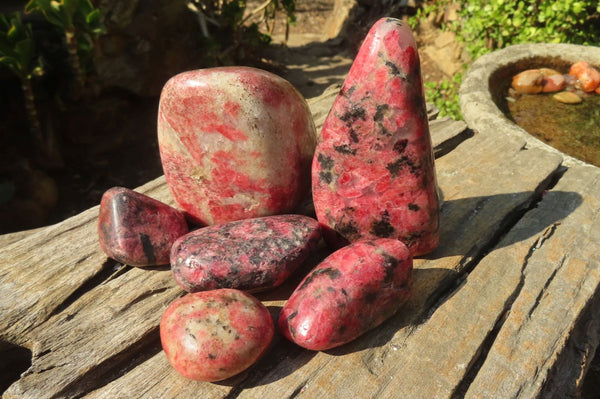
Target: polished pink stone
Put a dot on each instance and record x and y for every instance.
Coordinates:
(235, 143)
(136, 229)
(553, 80)
(373, 171)
(352, 291)
(251, 255)
(214, 335)
(553, 83)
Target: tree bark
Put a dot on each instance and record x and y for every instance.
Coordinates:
(75, 63)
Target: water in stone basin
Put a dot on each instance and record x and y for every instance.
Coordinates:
(571, 128)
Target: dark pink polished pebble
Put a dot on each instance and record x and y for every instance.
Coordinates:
(251, 255)
(352, 291)
(136, 229)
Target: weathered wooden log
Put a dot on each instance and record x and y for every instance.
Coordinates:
(506, 306)
(83, 315)
(470, 224)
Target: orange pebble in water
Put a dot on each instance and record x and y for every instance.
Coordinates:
(587, 75)
(528, 82)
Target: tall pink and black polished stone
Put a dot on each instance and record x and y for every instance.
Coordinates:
(373, 171)
(235, 143)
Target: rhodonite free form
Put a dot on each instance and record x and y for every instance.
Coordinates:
(352, 291)
(213, 335)
(251, 255)
(136, 229)
(373, 171)
(235, 143)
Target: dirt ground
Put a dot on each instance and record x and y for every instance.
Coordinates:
(313, 18)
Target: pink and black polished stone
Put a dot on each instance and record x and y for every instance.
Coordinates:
(353, 290)
(138, 230)
(235, 143)
(213, 335)
(251, 255)
(373, 170)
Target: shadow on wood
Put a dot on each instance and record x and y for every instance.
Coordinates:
(409, 316)
(15, 360)
(269, 368)
(460, 214)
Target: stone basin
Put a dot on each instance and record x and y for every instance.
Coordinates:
(485, 85)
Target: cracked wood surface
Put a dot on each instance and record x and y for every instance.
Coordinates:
(507, 305)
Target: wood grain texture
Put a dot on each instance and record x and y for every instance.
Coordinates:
(475, 210)
(511, 291)
(96, 334)
(7, 239)
(41, 271)
(553, 317)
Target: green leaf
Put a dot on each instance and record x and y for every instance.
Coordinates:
(94, 22)
(6, 60)
(25, 50)
(31, 6)
(71, 6)
(86, 7)
(13, 32)
(12, 64)
(55, 6)
(93, 17)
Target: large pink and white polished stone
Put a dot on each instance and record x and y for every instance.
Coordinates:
(235, 143)
(373, 170)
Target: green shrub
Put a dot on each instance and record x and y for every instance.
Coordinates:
(80, 23)
(487, 25)
(444, 95)
(18, 55)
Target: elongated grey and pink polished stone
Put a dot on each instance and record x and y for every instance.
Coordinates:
(235, 143)
(251, 255)
(373, 171)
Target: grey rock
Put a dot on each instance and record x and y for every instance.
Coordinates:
(146, 43)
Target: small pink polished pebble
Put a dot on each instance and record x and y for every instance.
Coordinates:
(213, 335)
(352, 291)
(251, 255)
(373, 171)
(553, 80)
(136, 229)
(235, 143)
